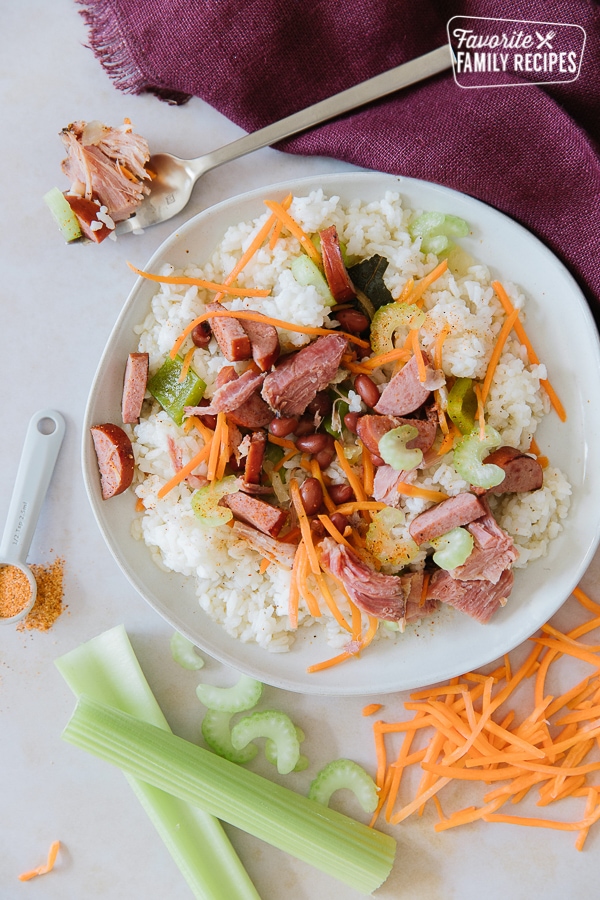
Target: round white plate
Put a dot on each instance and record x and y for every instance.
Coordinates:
(565, 337)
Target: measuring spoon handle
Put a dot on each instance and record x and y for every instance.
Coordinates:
(42, 442)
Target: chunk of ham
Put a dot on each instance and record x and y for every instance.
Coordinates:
(443, 517)
(493, 552)
(478, 599)
(96, 162)
(405, 393)
(371, 429)
(383, 596)
(297, 378)
(276, 551)
(385, 485)
(417, 606)
(230, 395)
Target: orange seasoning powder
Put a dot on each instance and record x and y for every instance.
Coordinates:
(15, 591)
(49, 601)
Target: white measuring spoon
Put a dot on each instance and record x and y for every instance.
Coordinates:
(40, 451)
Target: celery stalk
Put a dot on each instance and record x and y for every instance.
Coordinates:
(338, 845)
(107, 669)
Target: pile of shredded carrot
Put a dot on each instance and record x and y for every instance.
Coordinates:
(468, 731)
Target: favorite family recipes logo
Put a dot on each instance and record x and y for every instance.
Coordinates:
(510, 52)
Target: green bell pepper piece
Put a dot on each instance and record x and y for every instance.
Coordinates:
(173, 394)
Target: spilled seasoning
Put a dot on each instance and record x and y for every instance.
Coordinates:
(49, 601)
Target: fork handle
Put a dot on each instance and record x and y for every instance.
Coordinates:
(373, 89)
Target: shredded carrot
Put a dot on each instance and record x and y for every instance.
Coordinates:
(368, 470)
(333, 531)
(586, 601)
(292, 226)
(312, 554)
(411, 490)
(139, 505)
(346, 509)
(253, 247)
(187, 361)
(468, 744)
(353, 480)
(281, 442)
(305, 592)
(47, 867)
(225, 450)
(480, 415)
(316, 472)
(215, 448)
(186, 470)
(506, 329)
(264, 565)
(348, 654)
(371, 708)
(447, 442)
(439, 344)
(406, 291)
(285, 204)
(422, 285)
(294, 592)
(286, 458)
(200, 282)
(531, 354)
(248, 315)
(400, 353)
(416, 348)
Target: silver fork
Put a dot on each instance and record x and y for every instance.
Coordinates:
(175, 178)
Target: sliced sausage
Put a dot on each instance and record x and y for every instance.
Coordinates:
(253, 413)
(87, 214)
(404, 393)
(233, 341)
(371, 429)
(444, 516)
(336, 274)
(265, 343)
(115, 458)
(261, 515)
(254, 459)
(297, 379)
(523, 473)
(134, 387)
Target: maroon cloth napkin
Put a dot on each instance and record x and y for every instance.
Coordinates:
(530, 151)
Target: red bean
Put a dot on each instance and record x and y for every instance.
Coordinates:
(352, 320)
(313, 443)
(340, 493)
(339, 521)
(321, 405)
(306, 425)
(282, 427)
(325, 457)
(312, 495)
(317, 528)
(367, 389)
(201, 335)
(351, 421)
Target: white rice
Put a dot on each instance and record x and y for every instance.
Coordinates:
(252, 606)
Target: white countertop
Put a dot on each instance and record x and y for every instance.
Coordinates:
(58, 306)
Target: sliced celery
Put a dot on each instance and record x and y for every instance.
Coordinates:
(243, 695)
(272, 724)
(338, 845)
(216, 731)
(453, 548)
(184, 653)
(64, 216)
(394, 451)
(345, 774)
(107, 669)
(306, 273)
